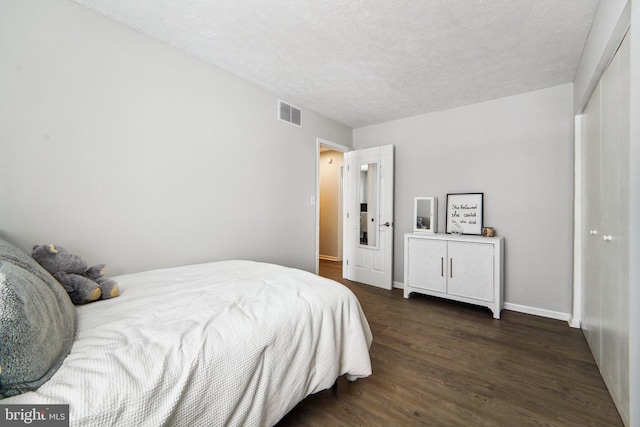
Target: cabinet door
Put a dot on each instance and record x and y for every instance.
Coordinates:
(426, 268)
(471, 270)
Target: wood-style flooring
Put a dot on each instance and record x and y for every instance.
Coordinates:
(442, 363)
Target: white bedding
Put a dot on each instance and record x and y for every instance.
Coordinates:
(225, 343)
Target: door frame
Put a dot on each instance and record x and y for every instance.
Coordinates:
(336, 147)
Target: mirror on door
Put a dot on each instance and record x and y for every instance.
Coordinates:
(368, 204)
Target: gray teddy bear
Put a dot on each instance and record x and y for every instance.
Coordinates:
(83, 284)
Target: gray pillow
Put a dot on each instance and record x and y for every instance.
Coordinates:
(37, 322)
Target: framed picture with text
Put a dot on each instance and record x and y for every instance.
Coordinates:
(464, 213)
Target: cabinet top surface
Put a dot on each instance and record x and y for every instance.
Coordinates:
(455, 237)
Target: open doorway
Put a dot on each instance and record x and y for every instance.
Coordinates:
(329, 196)
(330, 205)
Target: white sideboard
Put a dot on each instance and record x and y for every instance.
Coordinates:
(462, 268)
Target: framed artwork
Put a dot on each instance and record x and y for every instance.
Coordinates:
(464, 213)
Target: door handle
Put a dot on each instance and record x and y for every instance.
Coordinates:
(387, 224)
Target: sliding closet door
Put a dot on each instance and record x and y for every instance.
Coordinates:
(591, 320)
(606, 196)
(615, 110)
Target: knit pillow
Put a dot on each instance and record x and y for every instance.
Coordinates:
(37, 322)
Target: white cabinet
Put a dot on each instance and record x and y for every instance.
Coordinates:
(461, 268)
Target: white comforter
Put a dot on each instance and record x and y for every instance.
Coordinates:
(225, 343)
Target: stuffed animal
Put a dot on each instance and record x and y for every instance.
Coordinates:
(81, 283)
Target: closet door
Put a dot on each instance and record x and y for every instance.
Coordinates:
(592, 242)
(605, 320)
(615, 110)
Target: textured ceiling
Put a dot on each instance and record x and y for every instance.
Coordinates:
(364, 62)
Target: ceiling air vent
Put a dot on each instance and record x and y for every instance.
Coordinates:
(290, 114)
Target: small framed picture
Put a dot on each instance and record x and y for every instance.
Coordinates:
(425, 214)
(464, 213)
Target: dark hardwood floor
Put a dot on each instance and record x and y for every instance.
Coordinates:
(441, 363)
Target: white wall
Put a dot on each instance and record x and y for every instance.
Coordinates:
(132, 153)
(518, 151)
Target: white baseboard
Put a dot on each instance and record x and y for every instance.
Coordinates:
(537, 311)
(574, 323)
(328, 257)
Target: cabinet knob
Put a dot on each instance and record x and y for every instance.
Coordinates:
(607, 238)
(593, 232)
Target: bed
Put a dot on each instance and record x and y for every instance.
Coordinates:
(221, 343)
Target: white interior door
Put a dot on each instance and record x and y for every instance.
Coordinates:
(369, 216)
